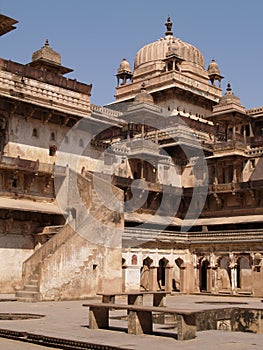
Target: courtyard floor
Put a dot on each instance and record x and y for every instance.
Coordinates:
(69, 320)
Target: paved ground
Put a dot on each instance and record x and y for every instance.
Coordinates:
(69, 320)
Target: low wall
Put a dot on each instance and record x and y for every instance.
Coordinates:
(231, 319)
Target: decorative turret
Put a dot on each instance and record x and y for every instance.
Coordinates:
(229, 115)
(231, 100)
(172, 60)
(49, 60)
(214, 73)
(124, 72)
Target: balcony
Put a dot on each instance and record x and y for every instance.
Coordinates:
(227, 147)
(27, 165)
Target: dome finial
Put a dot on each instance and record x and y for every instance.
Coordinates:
(229, 87)
(169, 25)
(46, 42)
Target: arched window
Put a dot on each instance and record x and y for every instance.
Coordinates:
(35, 132)
(52, 150)
(134, 259)
(52, 137)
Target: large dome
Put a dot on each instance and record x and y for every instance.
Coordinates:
(157, 50)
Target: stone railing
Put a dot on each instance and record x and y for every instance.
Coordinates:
(31, 265)
(31, 165)
(104, 110)
(190, 237)
(47, 95)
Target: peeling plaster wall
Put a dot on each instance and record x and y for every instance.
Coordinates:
(14, 249)
(80, 269)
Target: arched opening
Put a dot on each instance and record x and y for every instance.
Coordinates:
(203, 275)
(161, 273)
(52, 137)
(244, 273)
(35, 132)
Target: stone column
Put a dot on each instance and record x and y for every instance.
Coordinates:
(153, 284)
(196, 274)
(233, 279)
(216, 175)
(251, 134)
(234, 172)
(168, 278)
(233, 272)
(173, 64)
(209, 275)
(244, 134)
(234, 132)
(183, 279)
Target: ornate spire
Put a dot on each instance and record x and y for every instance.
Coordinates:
(169, 25)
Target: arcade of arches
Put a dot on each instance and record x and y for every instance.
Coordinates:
(189, 273)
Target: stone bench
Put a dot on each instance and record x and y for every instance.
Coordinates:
(140, 318)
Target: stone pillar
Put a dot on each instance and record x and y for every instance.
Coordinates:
(233, 278)
(244, 134)
(142, 170)
(183, 275)
(234, 172)
(233, 272)
(209, 275)
(251, 134)
(131, 278)
(173, 64)
(234, 132)
(197, 279)
(216, 175)
(196, 274)
(168, 278)
(153, 284)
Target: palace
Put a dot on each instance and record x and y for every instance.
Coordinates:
(159, 190)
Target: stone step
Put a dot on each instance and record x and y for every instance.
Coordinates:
(33, 282)
(26, 300)
(26, 295)
(30, 288)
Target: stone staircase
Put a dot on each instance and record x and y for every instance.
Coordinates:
(30, 291)
(68, 264)
(45, 233)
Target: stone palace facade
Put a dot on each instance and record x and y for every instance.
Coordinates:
(160, 189)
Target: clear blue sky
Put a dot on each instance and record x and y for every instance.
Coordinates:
(93, 37)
